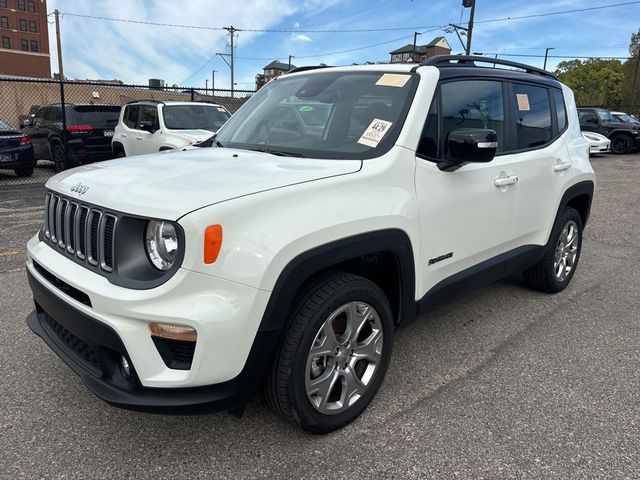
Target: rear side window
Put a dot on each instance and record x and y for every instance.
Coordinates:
(130, 118)
(533, 116)
(561, 112)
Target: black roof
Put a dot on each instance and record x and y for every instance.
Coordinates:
(278, 65)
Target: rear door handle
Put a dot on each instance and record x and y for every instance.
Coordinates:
(138, 138)
(504, 182)
(561, 166)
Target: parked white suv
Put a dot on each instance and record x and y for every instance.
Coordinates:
(151, 126)
(287, 256)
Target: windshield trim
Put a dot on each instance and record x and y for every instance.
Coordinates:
(381, 149)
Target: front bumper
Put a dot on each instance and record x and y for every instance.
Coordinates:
(93, 349)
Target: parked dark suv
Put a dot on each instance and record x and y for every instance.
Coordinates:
(84, 137)
(624, 137)
(16, 151)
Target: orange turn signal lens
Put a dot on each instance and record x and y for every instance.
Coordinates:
(173, 332)
(212, 243)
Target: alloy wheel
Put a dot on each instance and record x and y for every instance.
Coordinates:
(566, 251)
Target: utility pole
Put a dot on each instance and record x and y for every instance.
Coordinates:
(206, 86)
(415, 37)
(59, 44)
(213, 82)
(290, 57)
(546, 54)
(232, 31)
(472, 4)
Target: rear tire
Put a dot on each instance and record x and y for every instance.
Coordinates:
(60, 158)
(334, 355)
(621, 144)
(24, 171)
(555, 270)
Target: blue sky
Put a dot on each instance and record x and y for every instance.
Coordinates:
(133, 53)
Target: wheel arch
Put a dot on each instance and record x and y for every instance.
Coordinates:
(579, 197)
(117, 147)
(384, 257)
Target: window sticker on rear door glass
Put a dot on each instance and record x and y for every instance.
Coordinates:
(523, 102)
(374, 132)
(393, 80)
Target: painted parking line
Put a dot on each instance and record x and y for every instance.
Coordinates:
(12, 253)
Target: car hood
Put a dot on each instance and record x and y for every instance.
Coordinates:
(193, 135)
(170, 185)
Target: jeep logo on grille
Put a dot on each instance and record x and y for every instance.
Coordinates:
(79, 188)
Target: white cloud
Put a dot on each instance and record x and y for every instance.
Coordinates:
(301, 38)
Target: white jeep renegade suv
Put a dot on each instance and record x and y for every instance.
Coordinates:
(151, 126)
(336, 205)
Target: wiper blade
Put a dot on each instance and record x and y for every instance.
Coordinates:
(210, 142)
(279, 153)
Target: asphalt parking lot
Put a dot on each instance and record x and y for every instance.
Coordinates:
(502, 383)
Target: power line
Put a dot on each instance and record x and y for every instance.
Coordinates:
(502, 54)
(351, 30)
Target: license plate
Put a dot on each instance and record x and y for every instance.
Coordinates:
(6, 158)
(108, 133)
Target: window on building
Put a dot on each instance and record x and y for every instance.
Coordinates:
(6, 42)
(23, 25)
(32, 6)
(3, 3)
(33, 26)
(21, 5)
(34, 46)
(4, 22)
(533, 116)
(24, 45)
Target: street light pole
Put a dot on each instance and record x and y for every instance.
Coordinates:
(470, 28)
(206, 86)
(415, 37)
(59, 44)
(546, 54)
(290, 57)
(213, 82)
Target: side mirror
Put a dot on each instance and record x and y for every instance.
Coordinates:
(147, 126)
(469, 145)
(25, 123)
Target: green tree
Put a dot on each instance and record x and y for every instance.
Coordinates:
(594, 81)
(632, 75)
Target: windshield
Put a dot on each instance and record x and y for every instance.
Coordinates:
(94, 115)
(5, 126)
(606, 116)
(624, 117)
(194, 117)
(328, 114)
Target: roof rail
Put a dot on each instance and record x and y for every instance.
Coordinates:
(471, 60)
(145, 101)
(309, 67)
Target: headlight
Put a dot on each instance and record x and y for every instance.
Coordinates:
(162, 244)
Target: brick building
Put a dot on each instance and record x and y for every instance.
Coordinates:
(24, 47)
(271, 71)
(437, 46)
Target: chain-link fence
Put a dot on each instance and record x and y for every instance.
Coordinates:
(39, 121)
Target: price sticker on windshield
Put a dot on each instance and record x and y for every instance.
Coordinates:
(374, 132)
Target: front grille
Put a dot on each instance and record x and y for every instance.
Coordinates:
(79, 348)
(81, 231)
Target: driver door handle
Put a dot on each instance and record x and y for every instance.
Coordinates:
(504, 182)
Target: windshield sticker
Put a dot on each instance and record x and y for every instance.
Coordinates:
(305, 108)
(393, 80)
(374, 132)
(523, 102)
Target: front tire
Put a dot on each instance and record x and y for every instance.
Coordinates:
(23, 172)
(621, 144)
(555, 270)
(334, 355)
(60, 158)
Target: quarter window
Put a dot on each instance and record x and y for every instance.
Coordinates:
(561, 112)
(533, 116)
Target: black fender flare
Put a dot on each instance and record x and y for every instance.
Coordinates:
(586, 187)
(323, 257)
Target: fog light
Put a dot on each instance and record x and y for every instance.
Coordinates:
(173, 332)
(125, 368)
